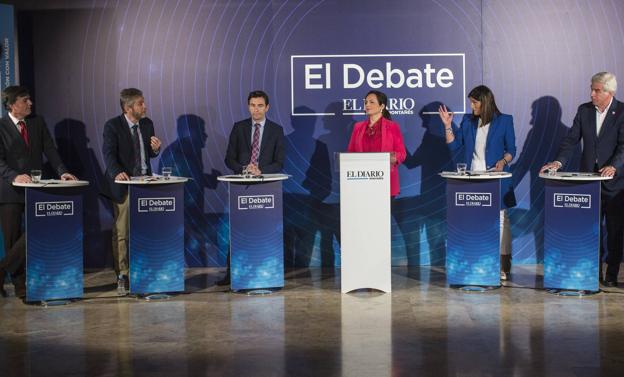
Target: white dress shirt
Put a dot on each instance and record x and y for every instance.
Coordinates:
(478, 156)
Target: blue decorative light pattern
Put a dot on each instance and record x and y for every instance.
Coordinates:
(54, 246)
(256, 238)
(571, 237)
(473, 234)
(157, 241)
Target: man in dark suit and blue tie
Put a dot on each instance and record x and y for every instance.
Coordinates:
(129, 143)
(600, 125)
(256, 145)
(23, 142)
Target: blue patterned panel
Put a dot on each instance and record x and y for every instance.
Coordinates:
(571, 235)
(157, 238)
(473, 210)
(54, 243)
(256, 235)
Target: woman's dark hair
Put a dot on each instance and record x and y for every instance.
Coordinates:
(382, 99)
(484, 95)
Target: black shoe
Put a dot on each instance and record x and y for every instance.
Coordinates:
(610, 283)
(223, 282)
(2, 279)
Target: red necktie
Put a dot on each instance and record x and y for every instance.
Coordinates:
(24, 132)
(255, 145)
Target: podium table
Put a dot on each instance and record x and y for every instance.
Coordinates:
(54, 239)
(572, 231)
(473, 228)
(256, 231)
(365, 252)
(156, 247)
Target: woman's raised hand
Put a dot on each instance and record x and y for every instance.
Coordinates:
(446, 116)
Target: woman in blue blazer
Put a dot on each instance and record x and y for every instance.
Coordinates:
(489, 143)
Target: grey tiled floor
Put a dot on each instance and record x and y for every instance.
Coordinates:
(422, 328)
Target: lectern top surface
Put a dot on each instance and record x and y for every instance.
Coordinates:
(575, 176)
(152, 180)
(53, 183)
(252, 178)
(475, 175)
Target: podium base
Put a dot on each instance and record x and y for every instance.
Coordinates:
(256, 292)
(571, 293)
(60, 302)
(475, 288)
(157, 296)
(362, 291)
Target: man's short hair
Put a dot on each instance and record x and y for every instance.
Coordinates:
(608, 81)
(11, 93)
(128, 96)
(258, 94)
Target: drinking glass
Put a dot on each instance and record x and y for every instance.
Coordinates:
(35, 176)
(166, 172)
(461, 168)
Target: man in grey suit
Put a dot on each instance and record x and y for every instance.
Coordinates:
(23, 142)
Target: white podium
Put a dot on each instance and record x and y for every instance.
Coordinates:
(365, 221)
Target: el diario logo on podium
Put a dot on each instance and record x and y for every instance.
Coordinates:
(355, 175)
(562, 200)
(256, 202)
(46, 209)
(473, 199)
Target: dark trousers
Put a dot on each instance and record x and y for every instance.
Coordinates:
(14, 240)
(613, 210)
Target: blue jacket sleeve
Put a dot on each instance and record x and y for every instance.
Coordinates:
(458, 132)
(510, 138)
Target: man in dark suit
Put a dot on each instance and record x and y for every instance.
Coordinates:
(600, 125)
(129, 143)
(256, 146)
(257, 130)
(23, 141)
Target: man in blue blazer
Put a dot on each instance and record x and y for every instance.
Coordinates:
(256, 146)
(23, 142)
(600, 125)
(128, 145)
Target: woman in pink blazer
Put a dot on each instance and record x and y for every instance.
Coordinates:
(380, 134)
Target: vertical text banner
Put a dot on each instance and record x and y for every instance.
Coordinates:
(156, 238)
(473, 210)
(7, 44)
(256, 235)
(571, 229)
(54, 243)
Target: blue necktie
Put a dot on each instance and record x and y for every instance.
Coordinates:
(137, 171)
